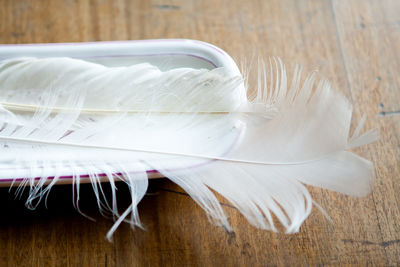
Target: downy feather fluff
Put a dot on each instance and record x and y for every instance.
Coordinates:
(68, 117)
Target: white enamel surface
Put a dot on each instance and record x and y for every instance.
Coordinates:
(165, 54)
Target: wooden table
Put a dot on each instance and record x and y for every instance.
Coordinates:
(355, 44)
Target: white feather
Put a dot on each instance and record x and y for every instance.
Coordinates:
(62, 116)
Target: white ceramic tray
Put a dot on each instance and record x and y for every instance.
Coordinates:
(164, 53)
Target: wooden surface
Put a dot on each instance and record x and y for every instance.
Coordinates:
(355, 44)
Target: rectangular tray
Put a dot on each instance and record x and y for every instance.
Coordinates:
(163, 53)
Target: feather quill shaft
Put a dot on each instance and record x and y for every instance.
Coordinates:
(208, 157)
(34, 108)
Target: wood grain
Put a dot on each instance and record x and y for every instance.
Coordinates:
(354, 43)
